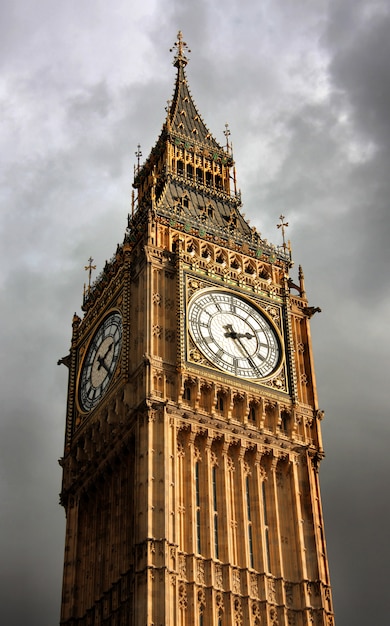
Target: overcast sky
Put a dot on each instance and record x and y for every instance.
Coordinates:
(305, 88)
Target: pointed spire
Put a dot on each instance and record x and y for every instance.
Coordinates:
(180, 45)
(183, 119)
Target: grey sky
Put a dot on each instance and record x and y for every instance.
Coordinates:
(305, 88)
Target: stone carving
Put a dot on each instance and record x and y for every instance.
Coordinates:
(180, 449)
(201, 600)
(230, 464)
(213, 458)
(182, 566)
(157, 329)
(254, 587)
(218, 577)
(200, 572)
(271, 590)
(237, 609)
(182, 596)
(273, 312)
(291, 618)
(195, 356)
(219, 601)
(273, 615)
(236, 582)
(255, 611)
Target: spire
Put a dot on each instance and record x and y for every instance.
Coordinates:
(189, 179)
(183, 119)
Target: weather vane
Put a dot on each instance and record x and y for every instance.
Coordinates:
(89, 268)
(283, 225)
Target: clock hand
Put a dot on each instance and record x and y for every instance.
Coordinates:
(108, 350)
(237, 336)
(102, 359)
(232, 333)
(102, 363)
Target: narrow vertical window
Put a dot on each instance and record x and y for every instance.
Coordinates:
(266, 529)
(250, 536)
(197, 510)
(215, 512)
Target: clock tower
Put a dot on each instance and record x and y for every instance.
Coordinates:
(193, 439)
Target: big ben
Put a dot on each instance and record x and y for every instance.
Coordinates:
(193, 435)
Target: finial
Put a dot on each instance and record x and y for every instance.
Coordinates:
(226, 132)
(89, 268)
(132, 207)
(138, 154)
(301, 282)
(283, 226)
(180, 45)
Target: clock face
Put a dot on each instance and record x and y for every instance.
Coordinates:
(100, 361)
(233, 334)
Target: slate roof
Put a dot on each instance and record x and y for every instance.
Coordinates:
(183, 117)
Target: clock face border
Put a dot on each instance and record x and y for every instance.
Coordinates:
(231, 351)
(101, 355)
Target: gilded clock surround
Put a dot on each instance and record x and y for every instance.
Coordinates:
(192, 496)
(271, 313)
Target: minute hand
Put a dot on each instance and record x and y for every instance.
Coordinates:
(237, 336)
(250, 360)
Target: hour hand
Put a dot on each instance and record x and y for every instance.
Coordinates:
(230, 332)
(102, 363)
(246, 335)
(234, 335)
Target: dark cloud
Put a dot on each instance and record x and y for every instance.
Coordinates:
(305, 89)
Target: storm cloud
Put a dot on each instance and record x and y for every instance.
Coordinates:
(305, 88)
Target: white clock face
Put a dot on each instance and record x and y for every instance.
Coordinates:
(100, 361)
(233, 334)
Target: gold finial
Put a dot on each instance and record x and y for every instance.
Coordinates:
(283, 226)
(89, 268)
(180, 45)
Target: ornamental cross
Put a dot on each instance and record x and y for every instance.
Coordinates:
(89, 268)
(283, 225)
(180, 45)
